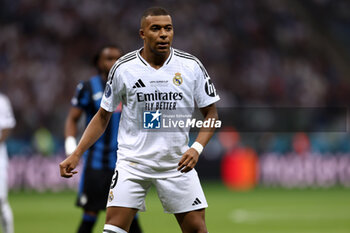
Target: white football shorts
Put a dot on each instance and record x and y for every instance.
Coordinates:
(178, 194)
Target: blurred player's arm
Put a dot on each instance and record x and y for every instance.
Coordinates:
(190, 157)
(92, 133)
(4, 134)
(71, 129)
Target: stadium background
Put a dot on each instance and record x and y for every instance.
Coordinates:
(260, 54)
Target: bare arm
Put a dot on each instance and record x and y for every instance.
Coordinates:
(94, 130)
(205, 134)
(71, 128)
(91, 134)
(4, 134)
(190, 157)
(71, 125)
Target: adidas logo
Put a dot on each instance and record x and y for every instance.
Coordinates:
(139, 84)
(196, 202)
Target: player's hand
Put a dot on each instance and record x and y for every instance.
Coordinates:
(68, 165)
(188, 161)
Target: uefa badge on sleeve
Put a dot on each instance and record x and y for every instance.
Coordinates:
(108, 90)
(152, 119)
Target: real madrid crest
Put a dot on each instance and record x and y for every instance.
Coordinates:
(110, 197)
(177, 80)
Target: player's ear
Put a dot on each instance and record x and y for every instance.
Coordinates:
(142, 33)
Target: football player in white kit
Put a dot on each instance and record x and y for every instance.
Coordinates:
(151, 80)
(7, 122)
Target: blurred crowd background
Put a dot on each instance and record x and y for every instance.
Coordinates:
(260, 53)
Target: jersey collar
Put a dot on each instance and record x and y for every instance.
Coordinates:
(146, 63)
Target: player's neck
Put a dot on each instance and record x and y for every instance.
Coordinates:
(154, 59)
(104, 76)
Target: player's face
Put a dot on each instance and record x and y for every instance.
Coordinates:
(157, 33)
(107, 59)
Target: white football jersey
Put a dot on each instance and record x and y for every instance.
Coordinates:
(7, 121)
(145, 92)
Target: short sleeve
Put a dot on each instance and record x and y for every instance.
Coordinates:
(7, 119)
(81, 98)
(114, 90)
(205, 92)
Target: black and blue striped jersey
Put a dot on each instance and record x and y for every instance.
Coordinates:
(102, 155)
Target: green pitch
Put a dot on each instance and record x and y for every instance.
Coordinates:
(258, 211)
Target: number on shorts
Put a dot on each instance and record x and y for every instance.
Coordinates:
(114, 179)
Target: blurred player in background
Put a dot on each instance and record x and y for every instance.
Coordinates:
(100, 158)
(7, 122)
(155, 77)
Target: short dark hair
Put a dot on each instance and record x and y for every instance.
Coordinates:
(155, 11)
(97, 56)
